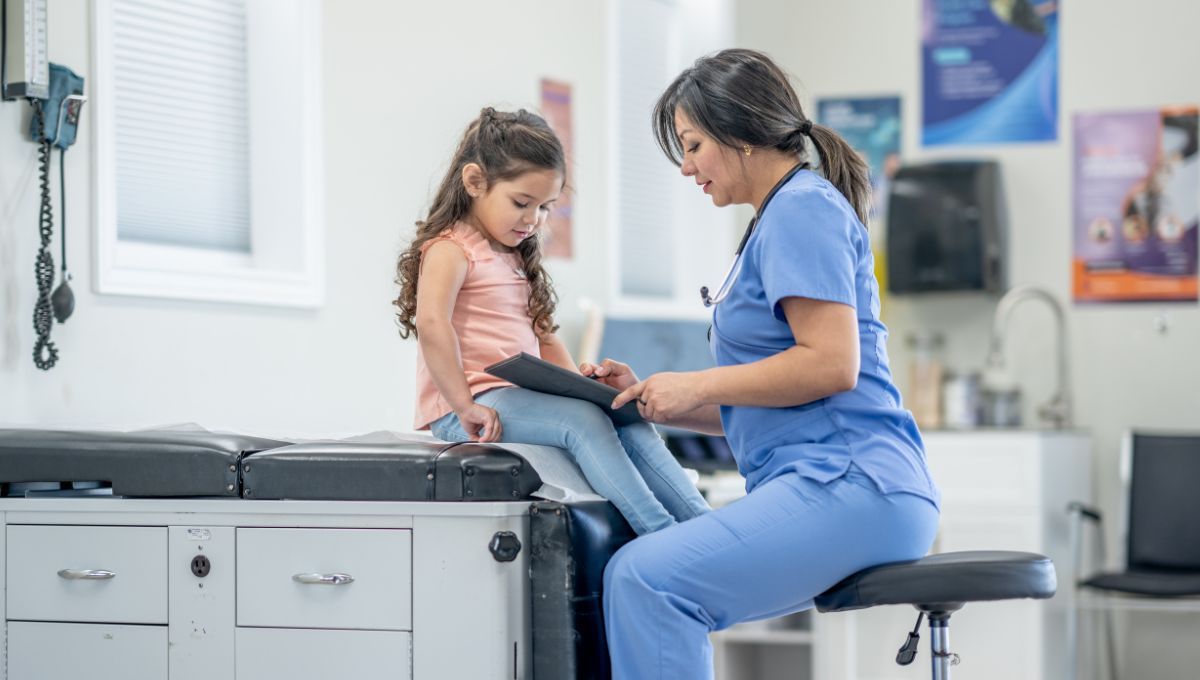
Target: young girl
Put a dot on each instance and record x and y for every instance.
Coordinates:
(473, 291)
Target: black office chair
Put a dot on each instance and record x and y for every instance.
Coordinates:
(1162, 546)
(938, 586)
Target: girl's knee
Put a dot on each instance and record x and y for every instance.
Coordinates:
(587, 419)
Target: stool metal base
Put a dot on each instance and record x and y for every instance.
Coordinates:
(939, 645)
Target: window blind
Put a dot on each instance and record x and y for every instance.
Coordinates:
(647, 259)
(181, 123)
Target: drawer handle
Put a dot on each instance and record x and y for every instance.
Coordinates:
(324, 579)
(86, 574)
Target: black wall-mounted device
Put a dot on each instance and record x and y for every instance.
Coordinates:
(946, 228)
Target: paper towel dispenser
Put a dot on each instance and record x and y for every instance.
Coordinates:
(946, 228)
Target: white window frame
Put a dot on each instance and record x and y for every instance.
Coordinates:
(285, 266)
(694, 259)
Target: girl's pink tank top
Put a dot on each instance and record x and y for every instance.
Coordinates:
(490, 317)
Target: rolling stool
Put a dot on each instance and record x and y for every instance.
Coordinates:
(938, 586)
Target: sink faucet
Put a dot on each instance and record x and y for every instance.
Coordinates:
(1057, 411)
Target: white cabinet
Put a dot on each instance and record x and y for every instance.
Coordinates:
(204, 589)
(325, 578)
(779, 649)
(72, 593)
(353, 587)
(97, 651)
(1001, 490)
(283, 654)
(81, 574)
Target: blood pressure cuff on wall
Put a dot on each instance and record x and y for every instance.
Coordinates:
(150, 463)
(61, 116)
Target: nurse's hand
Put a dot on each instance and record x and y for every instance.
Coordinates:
(482, 424)
(611, 373)
(664, 396)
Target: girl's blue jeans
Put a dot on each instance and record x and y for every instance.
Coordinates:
(629, 465)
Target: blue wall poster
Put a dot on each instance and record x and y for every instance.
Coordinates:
(872, 126)
(989, 71)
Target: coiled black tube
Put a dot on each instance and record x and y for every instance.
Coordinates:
(45, 354)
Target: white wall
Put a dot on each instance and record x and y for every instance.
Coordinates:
(402, 81)
(1115, 55)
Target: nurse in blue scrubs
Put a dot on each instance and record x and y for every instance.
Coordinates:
(835, 468)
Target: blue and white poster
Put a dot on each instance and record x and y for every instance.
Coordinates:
(989, 71)
(872, 127)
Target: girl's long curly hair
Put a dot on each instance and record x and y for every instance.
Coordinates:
(506, 146)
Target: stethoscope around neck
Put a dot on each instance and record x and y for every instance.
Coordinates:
(735, 267)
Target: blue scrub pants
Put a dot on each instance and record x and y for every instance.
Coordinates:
(764, 555)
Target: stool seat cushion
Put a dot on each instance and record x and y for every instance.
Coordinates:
(945, 579)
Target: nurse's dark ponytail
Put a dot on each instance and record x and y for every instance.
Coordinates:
(740, 97)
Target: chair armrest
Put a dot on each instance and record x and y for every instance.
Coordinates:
(1085, 511)
(1078, 513)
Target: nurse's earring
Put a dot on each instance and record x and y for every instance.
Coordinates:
(746, 149)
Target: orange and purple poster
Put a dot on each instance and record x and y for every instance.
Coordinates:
(556, 107)
(1137, 180)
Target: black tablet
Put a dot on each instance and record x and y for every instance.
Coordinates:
(532, 373)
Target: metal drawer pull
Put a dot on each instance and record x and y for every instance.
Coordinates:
(85, 574)
(324, 579)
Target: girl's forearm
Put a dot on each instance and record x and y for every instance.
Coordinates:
(554, 351)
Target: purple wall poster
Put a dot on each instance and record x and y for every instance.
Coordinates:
(1136, 205)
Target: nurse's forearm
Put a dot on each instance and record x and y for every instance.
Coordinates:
(795, 376)
(705, 419)
(439, 348)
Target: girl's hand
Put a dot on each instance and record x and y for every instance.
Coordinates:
(611, 373)
(664, 396)
(482, 424)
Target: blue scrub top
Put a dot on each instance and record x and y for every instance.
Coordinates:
(809, 243)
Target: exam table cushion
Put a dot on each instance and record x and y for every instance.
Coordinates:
(391, 471)
(150, 463)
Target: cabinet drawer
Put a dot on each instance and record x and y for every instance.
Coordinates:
(985, 475)
(272, 565)
(53, 651)
(87, 573)
(274, 654)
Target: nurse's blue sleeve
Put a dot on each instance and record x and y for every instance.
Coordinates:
(808, 247)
